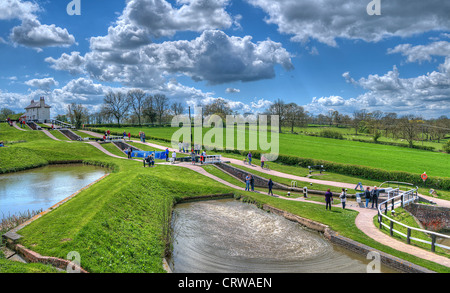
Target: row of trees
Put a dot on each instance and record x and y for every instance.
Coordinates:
(138, 107)
(134, 106)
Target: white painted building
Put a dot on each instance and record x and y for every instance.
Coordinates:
(38, 111)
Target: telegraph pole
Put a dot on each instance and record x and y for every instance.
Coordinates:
(190, 124)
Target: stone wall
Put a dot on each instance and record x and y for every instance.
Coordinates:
(433, 218)
(241, 174)
(68, 133)
(359, 248)
(125, 146)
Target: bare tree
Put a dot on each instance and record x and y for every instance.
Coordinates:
(161, 103)
(136, 100)
(177, 108)
(278, 108)
(409, 128)
(295, 115)
(148, 110)
(358, 117)
(219, 107)
(116, 105)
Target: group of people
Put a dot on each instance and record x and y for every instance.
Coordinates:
(142, 136)
(249, 183)
(150, 160)
(125, 135)
(371, 196)
(21, 123)
(10, 123)
(248, 159)
(194, 154)
(184, 147)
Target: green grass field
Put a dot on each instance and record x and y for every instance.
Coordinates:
(385, 157)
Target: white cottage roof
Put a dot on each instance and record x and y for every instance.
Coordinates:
(36, 104)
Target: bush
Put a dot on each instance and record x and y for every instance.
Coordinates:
(446, 147)
(331, 134)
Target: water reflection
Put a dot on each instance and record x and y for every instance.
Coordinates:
(43, 187)
(228, 236)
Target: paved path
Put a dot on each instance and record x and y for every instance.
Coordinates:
(364, 220)
(50, 135)
(15, 125)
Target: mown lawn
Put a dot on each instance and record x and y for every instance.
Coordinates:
(342, 151)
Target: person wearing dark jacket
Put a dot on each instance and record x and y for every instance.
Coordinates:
(270, 184)
(252, 183)
(367, 195)
(375, 194)
(328, 198)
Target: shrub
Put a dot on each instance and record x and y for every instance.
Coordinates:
(331, 134)
(446, 147)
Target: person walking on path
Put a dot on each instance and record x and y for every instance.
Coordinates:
(343, 197)
(367, 195)
(375, 193)
(249, 156)
(328, 199)
(270, 184)
(203, 157)
(129, 136)
(129, 153)
(247, 183)
(262, 161)
(252, 183)
(193, 157)
(167, 154)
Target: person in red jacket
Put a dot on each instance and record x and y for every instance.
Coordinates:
(129, 136)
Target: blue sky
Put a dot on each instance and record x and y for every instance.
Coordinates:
(327, 55)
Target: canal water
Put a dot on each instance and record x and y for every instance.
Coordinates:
(228, 236)
(41, 188)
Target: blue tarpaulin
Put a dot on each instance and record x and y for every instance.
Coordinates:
(142, 154)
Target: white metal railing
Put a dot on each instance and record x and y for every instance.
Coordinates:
(403, 199)
(63, 124)
(213, 159)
